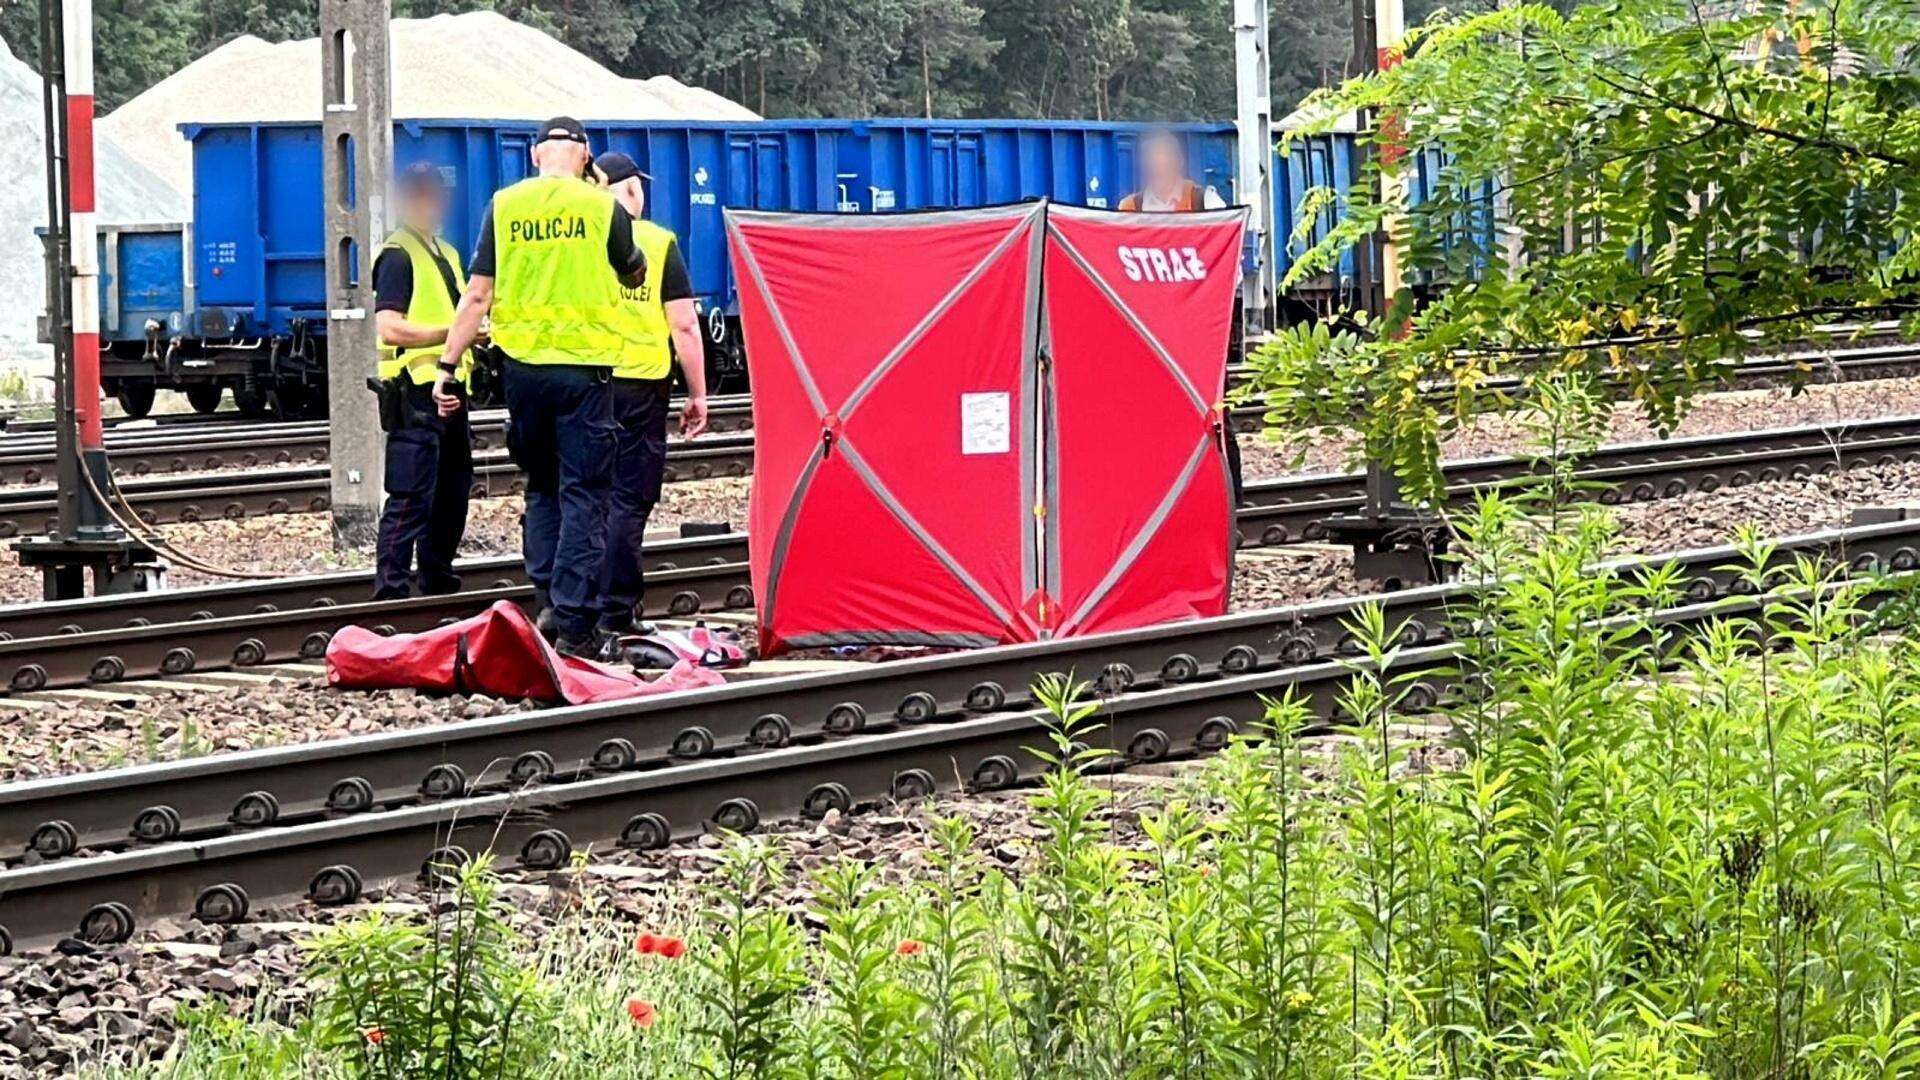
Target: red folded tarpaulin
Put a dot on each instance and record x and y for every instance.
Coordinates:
(985, 426)
(498, 653)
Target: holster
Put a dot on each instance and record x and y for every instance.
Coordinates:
(489, 376)
(395, 413)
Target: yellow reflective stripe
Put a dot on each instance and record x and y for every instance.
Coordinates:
(649, 355)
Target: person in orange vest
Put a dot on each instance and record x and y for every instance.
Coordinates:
(1165, 186)
(1167, 189)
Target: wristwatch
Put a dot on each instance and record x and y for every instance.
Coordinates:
(449, 368)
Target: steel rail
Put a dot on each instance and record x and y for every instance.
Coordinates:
(543, 807)
(1291, 509)
(178, 445)
(106, 640)
(1305, 499)
(236, 495)
(1850, 355)
(732, 412)
(243, 641)
(1874, 355)
(1262, 497)
(703, 546)
(160, 451)
(242, 798)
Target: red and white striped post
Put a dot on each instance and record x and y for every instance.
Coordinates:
(87, 537)
(82, 243)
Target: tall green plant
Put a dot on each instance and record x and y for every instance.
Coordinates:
(449, 997)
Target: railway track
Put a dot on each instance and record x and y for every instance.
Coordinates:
(103, 640)
(728, 412)
(1284, 509)
(175, 445)
(107, 851)
(216, 628)
(26, 511)
(187, 448)
(1876, 355)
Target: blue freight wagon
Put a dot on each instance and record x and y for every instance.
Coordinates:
(236, 299)
(253, 307)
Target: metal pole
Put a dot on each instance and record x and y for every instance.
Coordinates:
(1389, 33)
(59, 327)
(82, 234)
(86, 535)
(76, 253)
(1393, 541)
(357, 130)
(1254, 182)
(1370, 257)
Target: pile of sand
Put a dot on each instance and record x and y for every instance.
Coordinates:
(476, 66)
(127, 193)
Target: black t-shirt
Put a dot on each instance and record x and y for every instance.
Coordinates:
(675, 283)
(393, 280)
(622, 254)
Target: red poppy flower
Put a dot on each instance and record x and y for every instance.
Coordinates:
(671, 948)
(375, 1035)
(642, 1012)
(910, 947)
(646, 944)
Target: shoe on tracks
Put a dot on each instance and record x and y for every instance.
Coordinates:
(581, 648)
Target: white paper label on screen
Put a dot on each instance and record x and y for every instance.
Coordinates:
(986, 425)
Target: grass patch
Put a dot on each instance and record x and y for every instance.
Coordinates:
(1661, 857)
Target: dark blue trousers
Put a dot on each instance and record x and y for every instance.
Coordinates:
(640, 457)
(560, 432)
(429, 478)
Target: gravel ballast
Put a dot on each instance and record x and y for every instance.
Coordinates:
(56, 1010)
(301, 543)
(1713, 414)
(81, 735)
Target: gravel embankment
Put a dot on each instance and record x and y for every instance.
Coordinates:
(57, 1009)
(303, 543)
(1715, 414)
(94, 1005)
(79, 736)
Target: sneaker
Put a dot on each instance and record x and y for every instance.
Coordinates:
(609, 647)
(583, 648)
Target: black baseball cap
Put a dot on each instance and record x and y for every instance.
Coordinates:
(565, 128)
(422, 177)
(614, 166)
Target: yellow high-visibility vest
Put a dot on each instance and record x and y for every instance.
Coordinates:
(429, 306)
(555, 299)
(649, 353)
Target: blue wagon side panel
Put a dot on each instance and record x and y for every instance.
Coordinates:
(257, 201)
(142, 279)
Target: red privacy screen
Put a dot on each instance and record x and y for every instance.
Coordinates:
(922, 477)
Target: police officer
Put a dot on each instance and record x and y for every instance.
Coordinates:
(553, 253)
(416, 284)
(668, 327)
